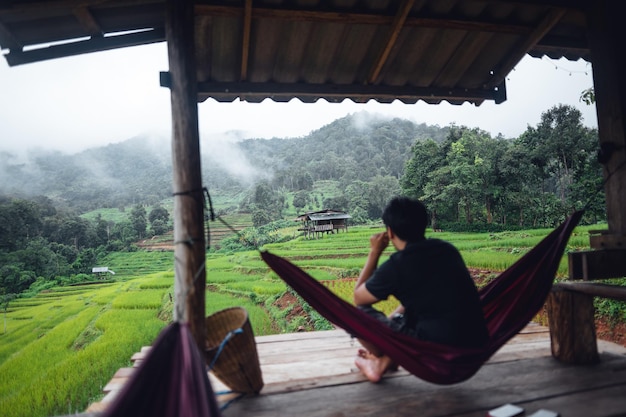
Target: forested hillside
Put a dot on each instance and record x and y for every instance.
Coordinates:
(468, 179)
(533, 180)
(138, 170)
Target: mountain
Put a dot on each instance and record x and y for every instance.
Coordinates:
(139, 170)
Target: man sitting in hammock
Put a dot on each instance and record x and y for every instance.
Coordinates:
(438, 299)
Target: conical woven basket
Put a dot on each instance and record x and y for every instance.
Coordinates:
(231, 349)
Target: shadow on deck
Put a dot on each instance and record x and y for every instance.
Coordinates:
(313, 374)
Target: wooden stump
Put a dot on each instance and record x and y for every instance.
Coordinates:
(572, 327)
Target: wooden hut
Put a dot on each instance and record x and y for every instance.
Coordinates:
(316, 223)
(459, 51)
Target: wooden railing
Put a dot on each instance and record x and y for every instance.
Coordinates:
(571, 313)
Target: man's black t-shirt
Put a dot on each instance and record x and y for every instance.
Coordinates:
(432, 282)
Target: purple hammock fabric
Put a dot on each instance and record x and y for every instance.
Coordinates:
(509, 302)
(172, 381)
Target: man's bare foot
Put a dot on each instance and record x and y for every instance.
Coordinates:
(362, 353)
(371, 366)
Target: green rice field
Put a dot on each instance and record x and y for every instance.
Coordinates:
(58, 349)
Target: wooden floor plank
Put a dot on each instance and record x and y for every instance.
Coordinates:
(538, 382)
(313, 374)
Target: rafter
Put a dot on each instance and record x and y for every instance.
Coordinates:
(394, 32)
(245, 46)
(548, 22)
(365, 19)
(7, 40)
(87, 21)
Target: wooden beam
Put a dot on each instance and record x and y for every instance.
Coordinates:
(602, 239)
(245, 46)
(596, 289)
(597, 264)
(549, 44)
(189, 251)
(87, 21)
(19, 7)
(339, 92)
(394, 32)
(551, 19)
(7, 40)
(95, 44)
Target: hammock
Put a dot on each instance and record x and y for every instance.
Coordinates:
(509, 302)
(172, 381)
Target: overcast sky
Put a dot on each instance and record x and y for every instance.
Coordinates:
(75, 103)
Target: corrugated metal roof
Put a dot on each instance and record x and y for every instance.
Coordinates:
(329, 216)
(323, 215)
(433, 50)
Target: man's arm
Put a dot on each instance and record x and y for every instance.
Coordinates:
(378, 243)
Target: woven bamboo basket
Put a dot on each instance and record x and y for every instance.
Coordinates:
(231, 349)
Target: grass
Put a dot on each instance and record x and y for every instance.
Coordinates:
(62, 346)
(108, 214)
(57, 355)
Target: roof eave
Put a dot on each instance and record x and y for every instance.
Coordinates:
(257, 92)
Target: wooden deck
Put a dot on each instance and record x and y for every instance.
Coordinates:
(313, 374)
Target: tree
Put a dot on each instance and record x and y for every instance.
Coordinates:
(5, 299)
(471, 176)
(138, 220)
(381, 190)
(265, 198)
(158, 212)
(102, 230)
(39, 258)
(358, 216)
(123, 232)
(86, 260)
(159, 218)
(437, 197)
(357, 194)
(300, 200)
(303, 180)
(261, 217)
(560, 148)
(518, 179)
(588, 96)
(426, 157)
(69, 230)
(20, 220)
(159, 227)
(339, 202)
(13, 279)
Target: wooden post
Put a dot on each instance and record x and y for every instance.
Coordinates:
(572, 327)
(605, 32)
(189, 253)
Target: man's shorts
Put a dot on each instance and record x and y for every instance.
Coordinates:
(397, 323)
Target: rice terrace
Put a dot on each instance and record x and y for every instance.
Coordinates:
(61, 346)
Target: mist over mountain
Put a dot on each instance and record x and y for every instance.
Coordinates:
(139, 170)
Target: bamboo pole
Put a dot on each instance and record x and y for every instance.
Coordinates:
(189, 253)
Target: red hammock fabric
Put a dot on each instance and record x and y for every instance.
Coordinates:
(172, 381)
(509, 302)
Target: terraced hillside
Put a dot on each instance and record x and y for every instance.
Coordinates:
(68, 341)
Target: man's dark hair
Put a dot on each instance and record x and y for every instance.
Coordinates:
(407, 218)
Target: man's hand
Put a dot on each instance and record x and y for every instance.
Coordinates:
(379, 242)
